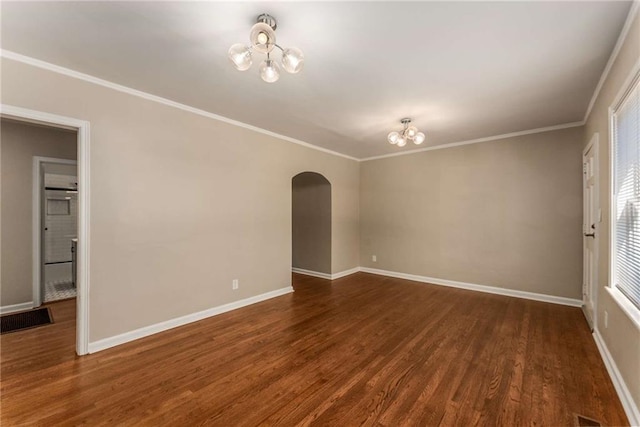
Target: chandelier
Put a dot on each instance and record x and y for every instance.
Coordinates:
(409, 133)
(263, 40)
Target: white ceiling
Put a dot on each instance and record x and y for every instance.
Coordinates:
(461, 70)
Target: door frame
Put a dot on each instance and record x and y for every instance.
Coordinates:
(320, 274)
(36, 226)
(83, 134)
(594, 144)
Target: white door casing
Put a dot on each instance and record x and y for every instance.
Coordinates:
(590, 233)
(83, 131)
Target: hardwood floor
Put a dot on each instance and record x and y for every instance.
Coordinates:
(363, 350)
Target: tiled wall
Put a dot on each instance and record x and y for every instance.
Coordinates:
(61, 218)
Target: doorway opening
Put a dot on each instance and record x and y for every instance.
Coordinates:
(55, 191)
(57, 227)
(311, 224)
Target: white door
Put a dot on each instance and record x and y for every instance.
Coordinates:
(591, 218)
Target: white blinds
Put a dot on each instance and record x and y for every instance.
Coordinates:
(626, 175)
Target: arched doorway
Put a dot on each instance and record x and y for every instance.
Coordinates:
(311, 223)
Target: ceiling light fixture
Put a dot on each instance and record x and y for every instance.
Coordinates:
(409, 133)
(263, 40)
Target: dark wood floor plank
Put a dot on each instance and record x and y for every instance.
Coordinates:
(361, 350)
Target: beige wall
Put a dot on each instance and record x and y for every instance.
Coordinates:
(164, 244)
(505, 213)
(311, 230)
(19, 144)
(622, 337)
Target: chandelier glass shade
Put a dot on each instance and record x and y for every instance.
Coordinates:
(292, 60)
(240, 56)
(263, 40)
(409, 133)
(269, 71)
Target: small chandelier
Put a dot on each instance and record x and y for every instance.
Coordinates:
(263, 40)
(409, 133)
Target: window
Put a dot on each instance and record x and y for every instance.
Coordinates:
(625, 207)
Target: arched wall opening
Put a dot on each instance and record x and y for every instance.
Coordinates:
(311, 223)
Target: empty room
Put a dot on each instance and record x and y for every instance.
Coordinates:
(320, 213)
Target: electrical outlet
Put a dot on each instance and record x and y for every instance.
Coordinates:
(234, 284)
(606, 319)
(374, 258)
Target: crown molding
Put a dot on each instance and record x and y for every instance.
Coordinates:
(154, 98)
(476, 141)
(635, 6)
(150, 97)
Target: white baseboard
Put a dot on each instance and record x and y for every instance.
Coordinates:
(345, 273)
(106, 343)
(474, 287)
(443, 282)
(327, 276)
(311, 273)
(5, 309)
(629, 405)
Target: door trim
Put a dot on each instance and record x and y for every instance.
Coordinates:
(594, 144)
(36, 226)
(83, 131)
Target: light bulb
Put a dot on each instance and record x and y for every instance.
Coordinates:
(292, 60)
(393, 137)
(263, 38)
(411, 131)
(269, 71)
(419, 138)
(240, 56)
(402, 142)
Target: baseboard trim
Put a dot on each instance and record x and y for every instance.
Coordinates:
(443, 282)
(106, 343)
(345, 273)
(475, 287)
(6, 309)
(311, 273)
(327, 276)
(629, 405)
